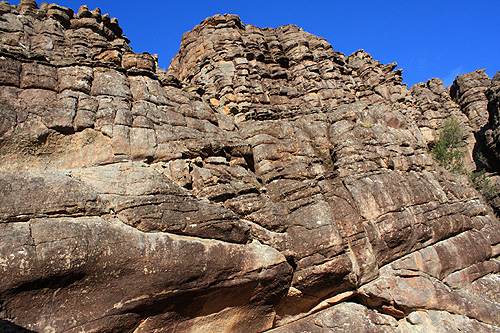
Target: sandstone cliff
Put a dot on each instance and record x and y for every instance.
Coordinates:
(264, 181)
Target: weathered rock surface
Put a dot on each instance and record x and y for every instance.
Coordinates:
(469, 91)
(263, 181)
(493, 134)
(468, 101)
(434, 107)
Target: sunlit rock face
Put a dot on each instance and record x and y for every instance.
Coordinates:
(263, 181)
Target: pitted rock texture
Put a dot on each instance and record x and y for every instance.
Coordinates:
(263, 181)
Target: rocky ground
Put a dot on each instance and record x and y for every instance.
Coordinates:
(262, 182)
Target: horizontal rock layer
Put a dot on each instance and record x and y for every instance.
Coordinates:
(263, 181)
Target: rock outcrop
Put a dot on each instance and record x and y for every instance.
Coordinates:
(264, 181)
(493, 133)
(469, 91)
(434, 106)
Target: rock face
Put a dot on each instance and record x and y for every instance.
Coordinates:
(434, 106)
(493, 133)
(264, 181)
(469, 91)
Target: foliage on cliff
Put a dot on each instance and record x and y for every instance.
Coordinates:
(446, 150)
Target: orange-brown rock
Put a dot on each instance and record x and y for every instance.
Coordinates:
(264, 181)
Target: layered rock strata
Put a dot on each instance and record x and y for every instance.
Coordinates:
(493, 133)
(469, 91)
(263, 181)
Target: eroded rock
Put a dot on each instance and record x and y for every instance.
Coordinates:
(263, 180)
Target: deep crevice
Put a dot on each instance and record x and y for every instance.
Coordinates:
(51, 282)
(381, 305)
(291, 261)
(250, 162)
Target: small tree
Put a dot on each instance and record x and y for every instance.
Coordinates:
(446, 149)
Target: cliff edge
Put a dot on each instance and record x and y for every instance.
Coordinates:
(262, 182)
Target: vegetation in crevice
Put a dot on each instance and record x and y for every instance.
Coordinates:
(483, 184)
(448, 152)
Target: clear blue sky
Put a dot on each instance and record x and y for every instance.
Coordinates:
(426, 38)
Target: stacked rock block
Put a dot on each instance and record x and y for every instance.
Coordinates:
(264, 181)
(70, 80)
(269, 74)
(469, 91)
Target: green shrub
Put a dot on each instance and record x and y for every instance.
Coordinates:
(446, 149)
(483, 184)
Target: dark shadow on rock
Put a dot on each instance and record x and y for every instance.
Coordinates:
(484, 158)
(8, 327)
(487, 162)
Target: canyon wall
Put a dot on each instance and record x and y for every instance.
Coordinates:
(262, 182)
